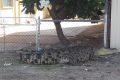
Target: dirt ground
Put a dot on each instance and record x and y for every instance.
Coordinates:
(103, 67)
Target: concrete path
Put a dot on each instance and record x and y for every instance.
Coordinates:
(46, 27)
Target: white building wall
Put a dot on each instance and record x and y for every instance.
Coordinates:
(6, 13)
(115, 24)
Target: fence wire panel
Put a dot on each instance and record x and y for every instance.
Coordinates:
(22, 32)
(15, 36)
(36, 40)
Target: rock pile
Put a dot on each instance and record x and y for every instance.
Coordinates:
(74, 55)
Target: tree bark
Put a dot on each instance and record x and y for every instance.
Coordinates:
(60, 34)
(64, 41)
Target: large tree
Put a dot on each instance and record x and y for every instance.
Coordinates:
(66, 9)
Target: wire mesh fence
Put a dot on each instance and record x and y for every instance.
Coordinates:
(19, 34)
(14, 36)
(29, 37)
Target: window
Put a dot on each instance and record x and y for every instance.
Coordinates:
(7, 3)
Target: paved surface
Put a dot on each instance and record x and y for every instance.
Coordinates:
(68, 27)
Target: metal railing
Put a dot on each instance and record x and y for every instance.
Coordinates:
(75, 20)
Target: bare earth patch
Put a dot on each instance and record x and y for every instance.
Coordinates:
(103, 68)
(93, 35)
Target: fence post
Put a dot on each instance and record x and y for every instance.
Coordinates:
(38, 36)
(107, 28)
(4, 36)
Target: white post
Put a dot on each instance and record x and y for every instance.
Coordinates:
(38, 35)
(4, 37)
(105, 26)
(107, 29)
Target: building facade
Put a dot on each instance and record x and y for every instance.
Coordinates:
(115, 25)
(6, 6)
(12, 8)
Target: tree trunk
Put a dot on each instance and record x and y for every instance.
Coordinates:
(60, 34)
(59, 30)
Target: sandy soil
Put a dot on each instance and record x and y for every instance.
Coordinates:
(103, 67)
